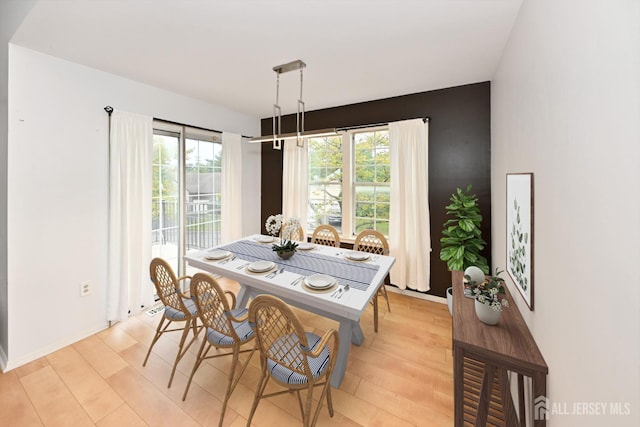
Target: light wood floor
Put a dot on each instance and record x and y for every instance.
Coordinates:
(401, 376)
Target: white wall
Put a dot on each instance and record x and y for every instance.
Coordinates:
(12, 12)
(565, 106)
(57, 191)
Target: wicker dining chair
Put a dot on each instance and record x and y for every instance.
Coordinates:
(374, 242)
(293, 358)
(226, 328)
(177, 308)
(326, 235)
(296, 235)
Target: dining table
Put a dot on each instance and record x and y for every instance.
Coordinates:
(336, 283)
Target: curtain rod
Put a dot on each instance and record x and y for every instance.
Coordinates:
(109, 110)
(424, 119)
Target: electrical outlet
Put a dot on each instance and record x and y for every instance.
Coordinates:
(85, 288)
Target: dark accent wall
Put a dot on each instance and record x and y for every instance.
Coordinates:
(459, 153)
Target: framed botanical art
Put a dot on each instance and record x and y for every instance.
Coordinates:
(520, 233)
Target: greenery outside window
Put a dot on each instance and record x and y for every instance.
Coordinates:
(349, 181)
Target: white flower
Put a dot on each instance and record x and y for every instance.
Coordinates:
(273, 224)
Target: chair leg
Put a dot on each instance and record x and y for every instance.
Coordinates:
(329, 401)
(306, 417)
(185, 333)
(262, 384)
(159, 332)
(326, 391)
(231, 385)
(196, 365)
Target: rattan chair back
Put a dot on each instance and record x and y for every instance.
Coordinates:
(212, 304)
(371, 241)
(166, 284)
(297, 234)
(374, 242)
(279, 333)
(175, 301)
(326, 235)
(285, 356)
(218, 317)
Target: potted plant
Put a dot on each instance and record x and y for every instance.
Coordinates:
(488, 303)
(461, 241)
(285, 248)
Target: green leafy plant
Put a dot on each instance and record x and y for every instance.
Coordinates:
(462, 241)
(488, 291)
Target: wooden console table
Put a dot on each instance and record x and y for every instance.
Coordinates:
(482, 357)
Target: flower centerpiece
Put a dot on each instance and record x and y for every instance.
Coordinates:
(488, 303)
(275, 227)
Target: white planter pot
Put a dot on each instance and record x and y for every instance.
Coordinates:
(450, 299)
(486, 314)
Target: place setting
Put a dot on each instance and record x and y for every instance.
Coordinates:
(306, 246)
(319, 283)
(265, 239)
(357, 256)
(218, 255)
(261, 267)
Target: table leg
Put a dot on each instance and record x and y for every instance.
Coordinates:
(243, 296)
(357, 336)
(343, 353)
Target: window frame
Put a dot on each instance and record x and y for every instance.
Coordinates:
(348, 185)
(183, 133)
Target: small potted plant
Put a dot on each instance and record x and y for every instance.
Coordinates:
(488, 303)
(274, 226)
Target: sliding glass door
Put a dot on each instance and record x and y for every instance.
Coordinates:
(186, 192)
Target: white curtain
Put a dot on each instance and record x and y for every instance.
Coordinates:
(295, 182)
(231, 182)
(409, 236)
(129, 253)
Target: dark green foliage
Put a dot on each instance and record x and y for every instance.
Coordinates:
(461, 241)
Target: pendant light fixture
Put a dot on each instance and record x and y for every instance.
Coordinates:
(277, 136)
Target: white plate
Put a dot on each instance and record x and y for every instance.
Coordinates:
(260, 266)
(265, 239)
(217, 254)
(357, 256)
(306, 246)
(319, 281)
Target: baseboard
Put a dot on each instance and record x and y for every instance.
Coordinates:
(417, 294)
(8, 365)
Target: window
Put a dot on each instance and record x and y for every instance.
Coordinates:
(371, 184)
(349, 177)
(185, 191)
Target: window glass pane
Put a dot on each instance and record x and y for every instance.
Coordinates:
(325, 182)
(202, 188)
(165, 219)
(372, 176)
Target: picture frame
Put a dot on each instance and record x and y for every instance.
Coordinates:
(520, 233)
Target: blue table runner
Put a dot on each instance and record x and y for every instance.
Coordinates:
(357, 274)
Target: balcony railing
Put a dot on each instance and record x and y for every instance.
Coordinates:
(202, 223)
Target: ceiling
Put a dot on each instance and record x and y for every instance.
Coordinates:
(223, 52)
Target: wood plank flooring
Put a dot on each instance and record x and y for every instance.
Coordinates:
(401, 376)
